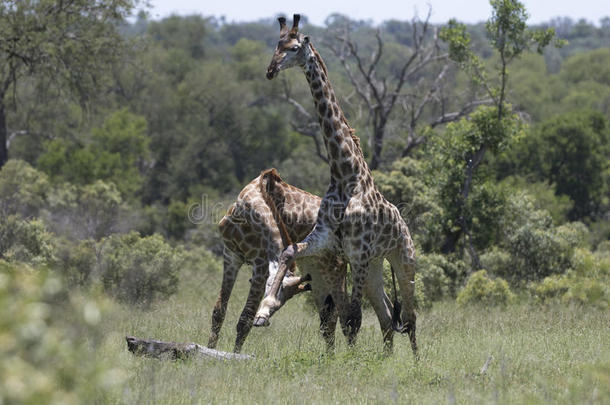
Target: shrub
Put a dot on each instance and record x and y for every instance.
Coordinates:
(570, 288)
(481, 289)
(588, 281)
(139, 270)
(498, 262)
(434, 282)
(25, 241)
(421, 301)
(91, 211)
(604, 248)
(48, 352)
(23, 189)
(77, 262)
(540, 252)
(114, 153)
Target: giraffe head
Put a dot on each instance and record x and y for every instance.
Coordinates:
(292, 49)
(291, 286)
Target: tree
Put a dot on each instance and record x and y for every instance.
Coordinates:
(388, 75)
(69, 42)
(570, 151)
(491, 127)
(116, 152)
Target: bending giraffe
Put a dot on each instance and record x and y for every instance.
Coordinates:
(268, 214)
(354, 219)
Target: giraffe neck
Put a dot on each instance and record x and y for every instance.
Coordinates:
(343, 148)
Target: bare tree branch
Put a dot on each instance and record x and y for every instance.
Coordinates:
(380, 93)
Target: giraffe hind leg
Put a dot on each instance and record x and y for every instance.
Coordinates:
(380, 302)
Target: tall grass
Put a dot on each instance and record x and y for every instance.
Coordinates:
(540, 355)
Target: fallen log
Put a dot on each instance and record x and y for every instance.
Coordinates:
(174, 351)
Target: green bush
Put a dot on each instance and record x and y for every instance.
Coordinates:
(570, 288)
(82, 212)
(540, 252)
(603, 248)
(114, 153)
(25, 241)
(421, 301)
(587, 282)
(49, 338)
(432, 274)
(481, 289)
(139, 270)
(498, 262)
(77, 261)
(23, 189)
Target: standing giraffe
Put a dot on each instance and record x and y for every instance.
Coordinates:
(268, 214)
(354, 219)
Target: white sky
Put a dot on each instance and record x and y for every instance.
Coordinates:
(468, 11)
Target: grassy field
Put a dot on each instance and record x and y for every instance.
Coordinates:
(540, 355)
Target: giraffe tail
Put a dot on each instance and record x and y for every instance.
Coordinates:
(397, 324)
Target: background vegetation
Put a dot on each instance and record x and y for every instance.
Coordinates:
(493, 140)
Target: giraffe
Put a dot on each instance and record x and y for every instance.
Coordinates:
(354, 219)
(267, 215)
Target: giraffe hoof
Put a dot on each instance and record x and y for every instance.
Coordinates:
(261, 321)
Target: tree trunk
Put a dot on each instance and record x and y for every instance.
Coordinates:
(174, 351)
(377, 147)
(3, 133)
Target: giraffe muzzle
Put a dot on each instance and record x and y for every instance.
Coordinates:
(271, 73)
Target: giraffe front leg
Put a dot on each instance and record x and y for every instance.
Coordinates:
(257, 289)
(231, 266)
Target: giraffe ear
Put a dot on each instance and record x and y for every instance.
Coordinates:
(306, 39)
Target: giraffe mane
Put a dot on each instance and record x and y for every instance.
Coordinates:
(352, 131)
(319, 58)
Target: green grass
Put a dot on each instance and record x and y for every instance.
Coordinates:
(540, 355)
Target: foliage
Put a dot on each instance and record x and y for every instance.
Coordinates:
(137, 269)
(183, 33)
(469, 200)
(25, 241)
(480, 289)
(434, 284)
(571, 152)
(404, 186)
(115, 152)
(77, 262)
(23, 189)
(70, 44)
(49, 341)
(542, 195)
(531, 247)
(586, 283)
(537, 253)
(491, 128)
(91, 211)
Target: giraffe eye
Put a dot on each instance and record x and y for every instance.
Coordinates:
(294, 48)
